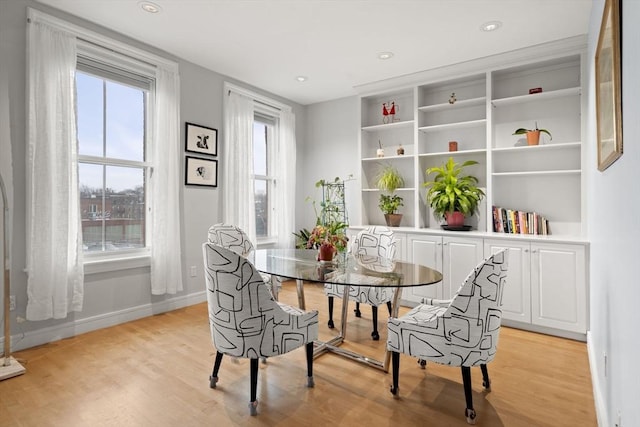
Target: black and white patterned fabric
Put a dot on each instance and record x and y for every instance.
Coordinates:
(234, 238)
(376, 241)
(231, 237)
(245, 320)
(462, 331)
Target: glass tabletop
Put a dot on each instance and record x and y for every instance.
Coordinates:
(346, 269)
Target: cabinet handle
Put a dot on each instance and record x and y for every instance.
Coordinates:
(526, 251)
(535, 251)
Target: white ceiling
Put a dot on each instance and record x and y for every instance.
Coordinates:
(267, 43)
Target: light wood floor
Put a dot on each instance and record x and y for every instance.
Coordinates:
(154, 372)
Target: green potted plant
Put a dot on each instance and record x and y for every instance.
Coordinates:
(388, 180)
(533, 135)
(452, 194)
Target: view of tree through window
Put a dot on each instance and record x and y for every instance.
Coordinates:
(111, 146)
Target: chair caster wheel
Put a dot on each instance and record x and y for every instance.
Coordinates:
(422, 363)
(357, 312)
(310, 382)
(486, 385)
(394, 391)
(375, 336)
(213, 381)
(253, 408)
(471, 415)
(330, 324)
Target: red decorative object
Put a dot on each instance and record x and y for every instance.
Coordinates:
(385, 113)
(326, 252)
(535, 90)
(453, 146)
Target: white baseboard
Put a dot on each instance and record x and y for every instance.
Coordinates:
(602, 414)
(81, 326)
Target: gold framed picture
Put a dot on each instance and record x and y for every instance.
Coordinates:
(609, 87)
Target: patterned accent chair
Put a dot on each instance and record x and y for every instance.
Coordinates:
(234, 238)
(461, 332)
(246, 321)
(374, 241)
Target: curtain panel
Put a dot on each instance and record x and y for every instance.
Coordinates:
(55, 271)
(166, 253)
(286, 180)
(238, 199)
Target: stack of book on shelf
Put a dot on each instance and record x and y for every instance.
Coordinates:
(518, 222)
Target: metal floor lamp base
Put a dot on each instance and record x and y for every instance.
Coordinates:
(10, 368)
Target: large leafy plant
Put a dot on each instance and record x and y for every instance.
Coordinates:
(453, 191)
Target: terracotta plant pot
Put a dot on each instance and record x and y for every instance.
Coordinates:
(393, 220)
(454, 219)
(533, 137)
(326, 252)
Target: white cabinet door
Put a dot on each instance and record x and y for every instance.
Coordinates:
(401, 246)
(516, 298)
(558, 280)
(427, 251)
(460, 256)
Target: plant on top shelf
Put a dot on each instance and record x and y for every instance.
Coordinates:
(533, 135)
(389, 180)
(452, 194)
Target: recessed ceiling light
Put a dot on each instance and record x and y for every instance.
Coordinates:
(491, 26)
(147, 6)
(301, 78)
(385, 55)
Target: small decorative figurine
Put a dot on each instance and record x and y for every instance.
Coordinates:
(393, 110)
(400, 150)
(380, 151)
(385, 113)
(452, 99)
(453, 146)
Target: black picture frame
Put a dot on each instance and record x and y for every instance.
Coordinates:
(201, 172)
(201, 139)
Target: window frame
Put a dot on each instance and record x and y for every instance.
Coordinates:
(267, 117)
(136, 74)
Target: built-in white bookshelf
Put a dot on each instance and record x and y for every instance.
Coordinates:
(480, 111)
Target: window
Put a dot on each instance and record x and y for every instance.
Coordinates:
(263, 179)
(112, 140)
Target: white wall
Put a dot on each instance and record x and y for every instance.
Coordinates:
(122, 295)
(330, 151)
(613, 207)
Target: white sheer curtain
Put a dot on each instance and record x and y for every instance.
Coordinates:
(166, 260)
(286, 180)
(238, 201)
(54, 239)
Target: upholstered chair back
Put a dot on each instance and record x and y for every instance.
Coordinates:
(375, 241)
(231, 237)
(245, 320)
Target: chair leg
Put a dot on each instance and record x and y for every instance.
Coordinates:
(309, 350)
(253, 403)
(357, 310)
(469, 412)
(330, 322)
(486, 382)
(213, 379)
(374, 314)
(389, 307)
(395, 368)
